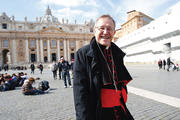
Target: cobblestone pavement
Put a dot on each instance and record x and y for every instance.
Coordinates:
(58, 103)
(149, 77)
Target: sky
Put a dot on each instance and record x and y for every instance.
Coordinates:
(84, 10)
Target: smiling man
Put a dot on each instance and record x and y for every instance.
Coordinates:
(100, 77)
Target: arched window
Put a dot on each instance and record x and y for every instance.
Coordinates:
(4, 26)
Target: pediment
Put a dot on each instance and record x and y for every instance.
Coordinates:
(52, 30)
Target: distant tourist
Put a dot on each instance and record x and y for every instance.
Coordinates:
(168, 63)
(28, 89)
(32, 66)
(160, 63)
(41, 68)
(6, 67)
(60, 69)
(7, 82)
(175, 67)
(65, 72)
(164, 64)
(54, 68)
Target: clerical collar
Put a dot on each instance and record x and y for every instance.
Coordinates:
(103, 47)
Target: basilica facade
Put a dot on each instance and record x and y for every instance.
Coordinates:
(44, 40)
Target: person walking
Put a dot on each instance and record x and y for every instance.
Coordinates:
(168, 63)
(65, 72)
(54, 68)
(160, 64)
(32, 66)
(41, 68)
(100, 76)
(164, 64)
(60, 69)
(72, 65)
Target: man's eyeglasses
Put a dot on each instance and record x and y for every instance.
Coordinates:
(109, 29)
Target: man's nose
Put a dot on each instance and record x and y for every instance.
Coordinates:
(105, 31)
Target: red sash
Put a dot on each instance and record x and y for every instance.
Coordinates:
(111, 98)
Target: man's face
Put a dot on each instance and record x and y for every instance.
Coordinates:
(104, 31)
(62, 59)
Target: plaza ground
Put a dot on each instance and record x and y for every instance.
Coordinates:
(58, 103)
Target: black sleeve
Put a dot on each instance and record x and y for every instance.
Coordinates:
(69, 66)
(80, 86)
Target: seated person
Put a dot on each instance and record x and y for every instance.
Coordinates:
(2, 82)
(177, 67)
(1, 79)
(7, 84)
(28, 89)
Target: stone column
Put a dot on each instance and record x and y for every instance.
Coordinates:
(14, 56)
(65, 49)
(41, 50)
(58, 50)
(48, 50)
(77, 45)
(68, 57)
(1, 58)
(27, 50)
(9, 58)
(37, 49)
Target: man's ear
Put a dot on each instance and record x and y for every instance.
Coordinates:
(114, 32)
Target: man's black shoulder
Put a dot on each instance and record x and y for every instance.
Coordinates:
(117, 50)
(84, 49)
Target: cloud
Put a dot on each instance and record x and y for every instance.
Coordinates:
(80, 10)
(110, 3)
(92, 3)
(90, 9)
(147, 7)
(66, 3)
(79, 15)
(175, 6)
(150, 8)
(70, 3)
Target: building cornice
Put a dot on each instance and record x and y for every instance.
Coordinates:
(155, 39)
(151, 51)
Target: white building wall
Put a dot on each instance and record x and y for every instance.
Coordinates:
(175, 55)
(152, 39)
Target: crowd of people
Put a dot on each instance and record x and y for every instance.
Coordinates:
(40, 67)
(6, 67)
(170, 65)
(10, 82)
